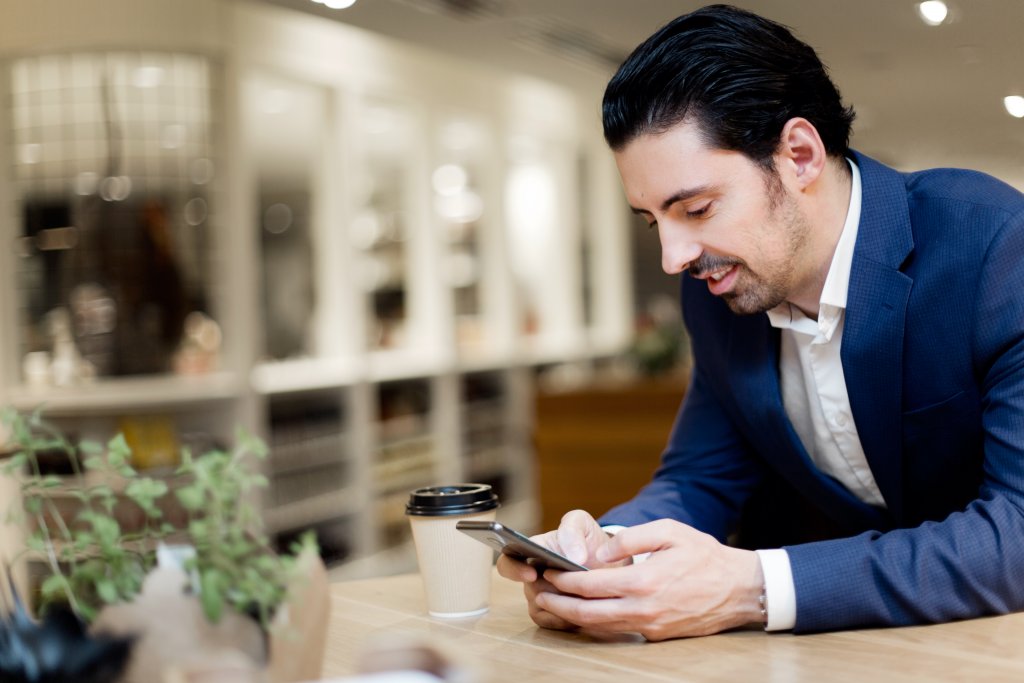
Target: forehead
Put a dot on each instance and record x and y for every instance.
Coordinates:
(656, 166)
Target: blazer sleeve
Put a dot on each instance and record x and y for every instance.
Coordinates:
(972, 562)
(706, 474)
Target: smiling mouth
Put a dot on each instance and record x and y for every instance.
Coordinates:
(721, 281)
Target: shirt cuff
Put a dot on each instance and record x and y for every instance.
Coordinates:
(612, 529)
(780, 593)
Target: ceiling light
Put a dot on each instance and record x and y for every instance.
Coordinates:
(1014, 105)
(338, 4)
(933, 12)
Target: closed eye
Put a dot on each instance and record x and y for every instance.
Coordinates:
(697, 213)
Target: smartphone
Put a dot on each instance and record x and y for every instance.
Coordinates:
(514, 544)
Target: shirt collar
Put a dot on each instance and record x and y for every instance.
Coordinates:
(833, 295)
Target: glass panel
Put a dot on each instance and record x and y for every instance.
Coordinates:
(532, 233)
(287, 124)
(114, 276)
(382, 222)
(458, 198)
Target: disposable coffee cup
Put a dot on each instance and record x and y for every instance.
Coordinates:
(456, 569)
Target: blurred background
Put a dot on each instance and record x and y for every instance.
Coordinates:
(386, 236)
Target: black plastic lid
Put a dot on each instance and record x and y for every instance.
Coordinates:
(457, 499)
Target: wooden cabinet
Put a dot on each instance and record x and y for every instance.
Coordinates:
(597, 446)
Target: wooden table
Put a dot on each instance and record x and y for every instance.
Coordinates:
(504, 645)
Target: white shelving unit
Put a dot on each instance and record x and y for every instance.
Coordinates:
(399, 241)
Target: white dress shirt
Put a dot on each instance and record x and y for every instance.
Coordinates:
(817, 403)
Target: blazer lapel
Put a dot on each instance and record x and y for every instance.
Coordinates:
(872, 347)
(754, 378)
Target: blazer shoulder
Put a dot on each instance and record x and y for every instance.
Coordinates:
(956, 186)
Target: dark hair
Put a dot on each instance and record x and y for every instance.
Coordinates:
(739, 76)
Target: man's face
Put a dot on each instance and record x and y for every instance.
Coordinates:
(719, 215)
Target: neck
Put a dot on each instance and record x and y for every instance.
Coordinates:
(826, 207)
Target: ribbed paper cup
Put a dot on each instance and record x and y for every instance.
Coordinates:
(456, 568)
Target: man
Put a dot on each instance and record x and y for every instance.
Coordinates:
(858, 389)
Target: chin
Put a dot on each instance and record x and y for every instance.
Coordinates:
(749, 304)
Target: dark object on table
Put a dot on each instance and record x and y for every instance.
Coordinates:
(57, 650)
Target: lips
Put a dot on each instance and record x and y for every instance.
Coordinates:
(721, 281)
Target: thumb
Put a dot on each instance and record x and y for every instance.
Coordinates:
(636, 540)
(572, 535)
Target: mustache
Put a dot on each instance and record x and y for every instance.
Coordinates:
(707, 263)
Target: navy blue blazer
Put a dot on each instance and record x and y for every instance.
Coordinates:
(933, 354)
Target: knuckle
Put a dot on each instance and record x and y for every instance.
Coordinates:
(655, 633)
(574, 517)
(644, 585)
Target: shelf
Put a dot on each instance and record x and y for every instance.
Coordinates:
(304, 374)
(480, 359)
(309, 511)
(131, 394)
(394, 364)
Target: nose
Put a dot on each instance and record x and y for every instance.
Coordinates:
(678, 248)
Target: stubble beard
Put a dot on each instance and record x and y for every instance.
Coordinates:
(756, 293)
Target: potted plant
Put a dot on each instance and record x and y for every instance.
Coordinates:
(161, 560)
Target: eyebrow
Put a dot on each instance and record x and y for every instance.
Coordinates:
(680, 196)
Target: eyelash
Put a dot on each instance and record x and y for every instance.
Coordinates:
(689, 214)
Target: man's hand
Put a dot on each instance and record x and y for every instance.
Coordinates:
(690, 586)
(579, 537)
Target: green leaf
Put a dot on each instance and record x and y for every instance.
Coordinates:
(34, 505)
(107, 530)
(101, 491)
(119, 453)
(145, 492)
(199, 530)
(191, 497)
(95, 463)
(55, 587)
(107, 590)
(51, 481)
(82, 540)
(90, 447)
(251, 443)
(16, 462)
(211, 594)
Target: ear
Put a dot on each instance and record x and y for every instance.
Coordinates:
(801, 153)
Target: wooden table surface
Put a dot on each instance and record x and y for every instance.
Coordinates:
(504, 645)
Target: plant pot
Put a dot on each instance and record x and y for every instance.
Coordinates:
(175, 642)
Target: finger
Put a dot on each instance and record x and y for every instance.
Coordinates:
(546, 619)
(573, 532)
(515, 570)
(610, 582)
(542, 617)
(583, 612)
(537, 587)
(644, 538)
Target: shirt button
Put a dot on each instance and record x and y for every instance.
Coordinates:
(839, 420)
